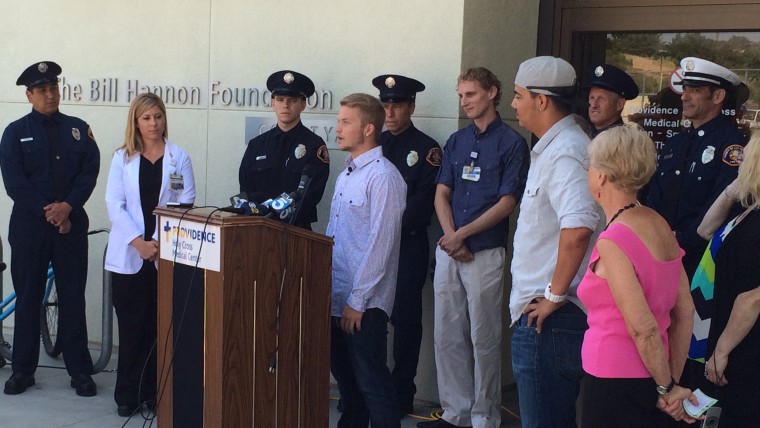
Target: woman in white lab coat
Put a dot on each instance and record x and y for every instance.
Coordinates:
(146, 172)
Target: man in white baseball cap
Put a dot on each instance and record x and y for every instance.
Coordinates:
(557, 220)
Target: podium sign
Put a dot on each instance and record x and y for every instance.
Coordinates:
(183, 241)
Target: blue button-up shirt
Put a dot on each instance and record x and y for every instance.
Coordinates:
(503, 157)
(365, 223)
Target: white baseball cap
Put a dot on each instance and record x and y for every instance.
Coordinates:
(548, 75)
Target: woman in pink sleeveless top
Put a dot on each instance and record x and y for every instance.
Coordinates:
(636, 293)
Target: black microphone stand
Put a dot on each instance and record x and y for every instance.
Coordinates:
(300, 204)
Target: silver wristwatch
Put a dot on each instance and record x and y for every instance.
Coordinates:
(662, 390)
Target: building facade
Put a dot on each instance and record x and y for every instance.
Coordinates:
(209, 60)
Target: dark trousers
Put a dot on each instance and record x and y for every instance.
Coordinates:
(359, 364)
(624, 403)
(134, 298)
(407, 314)
(35, 243)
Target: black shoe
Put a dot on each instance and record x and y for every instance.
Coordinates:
(438, 423)
(127, 410)
(18, 383)
(2, 362)
(84, 385)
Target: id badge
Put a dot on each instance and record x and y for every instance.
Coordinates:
(471, 173)
(176, 181)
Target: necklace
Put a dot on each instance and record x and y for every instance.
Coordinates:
(620, 211)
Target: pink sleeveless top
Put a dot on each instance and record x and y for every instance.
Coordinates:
(608, 350)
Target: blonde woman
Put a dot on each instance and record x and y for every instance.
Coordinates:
(636, 293)
(147, 171)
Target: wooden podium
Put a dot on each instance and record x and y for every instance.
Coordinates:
(244, 338)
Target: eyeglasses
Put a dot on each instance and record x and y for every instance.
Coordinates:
(586, 163)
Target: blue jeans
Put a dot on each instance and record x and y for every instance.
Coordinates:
(547, 368)
(359, 364)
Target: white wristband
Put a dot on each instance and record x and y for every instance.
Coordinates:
(548, 295)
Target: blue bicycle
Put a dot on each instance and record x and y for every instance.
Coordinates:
(48, 314)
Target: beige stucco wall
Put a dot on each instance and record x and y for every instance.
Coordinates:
(340, 44)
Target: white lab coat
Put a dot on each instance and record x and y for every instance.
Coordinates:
(124, 205)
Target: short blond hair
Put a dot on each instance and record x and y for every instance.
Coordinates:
(626, 155)
(371, 110)
(748, 187)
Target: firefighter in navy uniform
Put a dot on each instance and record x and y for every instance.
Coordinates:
(418, 158)
(50, 164)
(273, 161)
(697, 164)
(609, 88)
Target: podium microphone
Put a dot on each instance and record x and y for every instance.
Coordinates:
(282, 206)
(308, 171)
(306, 174)
(258, 206)
(233, 210)
(237, 204)
(286, 205)
(240, 204)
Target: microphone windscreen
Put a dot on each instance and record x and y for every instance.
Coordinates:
(235, 201)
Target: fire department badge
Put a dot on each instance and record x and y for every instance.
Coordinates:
(412, 158)
(708, 154)
(300, 151)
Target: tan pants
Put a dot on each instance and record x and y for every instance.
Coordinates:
(467, 333)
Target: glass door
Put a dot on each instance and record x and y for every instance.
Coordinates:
(649, 40)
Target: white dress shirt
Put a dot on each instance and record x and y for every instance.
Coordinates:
(556, 197)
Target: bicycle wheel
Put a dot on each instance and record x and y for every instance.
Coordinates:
(49, 319)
